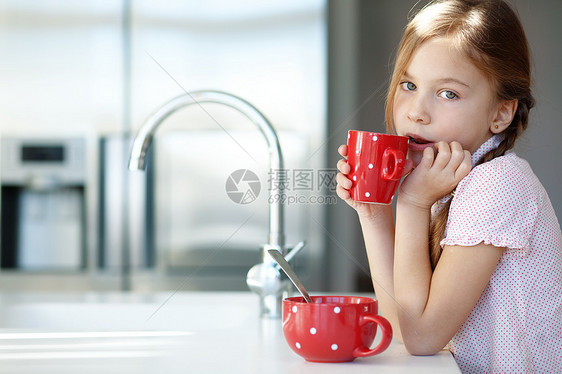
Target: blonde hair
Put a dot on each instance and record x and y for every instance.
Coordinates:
(489, 33)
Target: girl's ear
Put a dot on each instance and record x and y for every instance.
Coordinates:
(504, 115)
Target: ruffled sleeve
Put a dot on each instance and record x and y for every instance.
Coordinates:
(498, 204)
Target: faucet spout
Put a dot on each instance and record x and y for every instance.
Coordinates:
(145, 135)
(265, 278)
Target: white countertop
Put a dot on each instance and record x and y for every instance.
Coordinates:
(183, 332)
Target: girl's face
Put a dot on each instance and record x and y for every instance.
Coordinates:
(443, 97)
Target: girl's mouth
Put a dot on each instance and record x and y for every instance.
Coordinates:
(419, 144)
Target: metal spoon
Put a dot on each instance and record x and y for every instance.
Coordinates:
(277, 256)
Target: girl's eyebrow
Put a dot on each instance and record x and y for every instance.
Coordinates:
(441, 80)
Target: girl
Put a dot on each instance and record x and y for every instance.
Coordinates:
(474, 260)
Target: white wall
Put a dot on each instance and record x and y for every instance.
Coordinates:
(60, 69)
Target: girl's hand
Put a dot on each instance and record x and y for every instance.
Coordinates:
(364, 210)
(436, 175)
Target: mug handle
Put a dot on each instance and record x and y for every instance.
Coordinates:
(392, 164)
(386, 331)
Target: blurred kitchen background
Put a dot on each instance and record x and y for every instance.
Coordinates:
(77, 80)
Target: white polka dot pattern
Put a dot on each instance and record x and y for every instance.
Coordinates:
(516, 326)
(314, 330)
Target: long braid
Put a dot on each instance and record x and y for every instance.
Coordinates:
(515, 129)
(490, 34)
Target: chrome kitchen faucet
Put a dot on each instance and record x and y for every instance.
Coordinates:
(265, 278)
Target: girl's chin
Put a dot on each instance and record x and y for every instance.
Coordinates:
(415, 157)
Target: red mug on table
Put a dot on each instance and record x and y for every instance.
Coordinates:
(334, 328)
(377, 162)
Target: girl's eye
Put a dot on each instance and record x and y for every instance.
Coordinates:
(408, 86)
(450, 95)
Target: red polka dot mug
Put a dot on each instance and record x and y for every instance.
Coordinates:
(377, 162)
(334, 328)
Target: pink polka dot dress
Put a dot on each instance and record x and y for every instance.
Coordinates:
(516, 326)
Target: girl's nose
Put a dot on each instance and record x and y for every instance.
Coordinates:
(418, 111)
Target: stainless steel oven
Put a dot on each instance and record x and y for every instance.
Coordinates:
(43, 204)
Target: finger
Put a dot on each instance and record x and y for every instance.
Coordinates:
(343, 166)
(343, 181)
(443, 155)
(465, 166)
(457, 155)
(342, 150)
(428, 156)
(343, 193)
